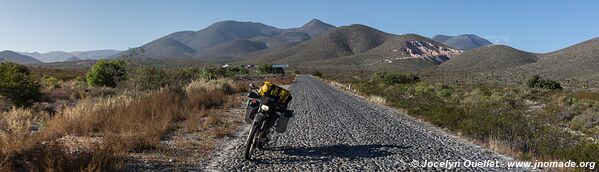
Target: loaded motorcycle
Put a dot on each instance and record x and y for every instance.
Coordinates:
(262, 113)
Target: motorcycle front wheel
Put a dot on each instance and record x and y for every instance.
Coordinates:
(250, 143)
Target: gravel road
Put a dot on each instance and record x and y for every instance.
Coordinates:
(335, 131)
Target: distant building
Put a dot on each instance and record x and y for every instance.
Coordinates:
(279, 68)
(280, 65)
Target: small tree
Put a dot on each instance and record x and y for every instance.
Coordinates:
(537, 82)
(533, 81)
(208, 74)
(317, 73)
(147, 78)
(265, 69)
(106, 73)
(17, 85)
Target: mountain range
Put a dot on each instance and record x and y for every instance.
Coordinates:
(15, 57)
(574, 65)
(315, 42)
(228, 40)
(61, 56)
(318, 45)
(360, 46)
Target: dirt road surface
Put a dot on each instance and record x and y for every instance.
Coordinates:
(334, 130)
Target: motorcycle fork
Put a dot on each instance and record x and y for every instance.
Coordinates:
(260, 119)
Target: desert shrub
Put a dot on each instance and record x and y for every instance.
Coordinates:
(50, 82)
(486, 114)
(20, 120)
(265, 69)
(181, 76)
(317, 73)
(224, 85)
(444, 92)
(232, 71)
(81, 80)
(17, 85)
(537, 82)
(210, 93)
(208, 74)
(97, 133)
(106, 73)
(60, 74)
(394, 78)
(146, 78)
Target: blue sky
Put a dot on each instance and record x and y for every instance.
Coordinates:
(69, 25)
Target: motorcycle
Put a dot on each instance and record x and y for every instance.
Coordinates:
(261, 112)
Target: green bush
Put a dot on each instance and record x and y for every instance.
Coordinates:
(182, 76)
(265, 69)
(317, 73)
(208, 74)
(17, 85)
(488, 114)
(50, 82)
(269, 69)
(394, 78)
(147, 78)
(232, 71)
(106, 73)
(537, 82)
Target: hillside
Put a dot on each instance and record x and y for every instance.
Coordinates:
(409, 53)
(94, 54)
(487, 59)
(15, 57)
(463, 42)
(226, 31)
(413, 46)
(167, 48)
(72, 58)
(343, 41)
(578, 61)
(227, 40)
(361, 47)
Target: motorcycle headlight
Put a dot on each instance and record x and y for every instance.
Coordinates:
(264, 108)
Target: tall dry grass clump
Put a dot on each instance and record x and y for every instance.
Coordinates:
(205, 94)
(20, 120)
(97, 133)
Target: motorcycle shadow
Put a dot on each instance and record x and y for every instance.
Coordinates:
(311, 155)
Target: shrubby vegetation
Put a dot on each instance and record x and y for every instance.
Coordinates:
(35, 140)
(83, 121)
(146, 78)
(265, 68)
(524, 122)
(17, 84)
(269, 69)
(537, 82)
(212, 73)
(394, 78)
(106, 73)
(317, 73)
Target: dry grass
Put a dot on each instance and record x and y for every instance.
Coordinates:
(21, 120)
(116, 125)
(377, 100)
